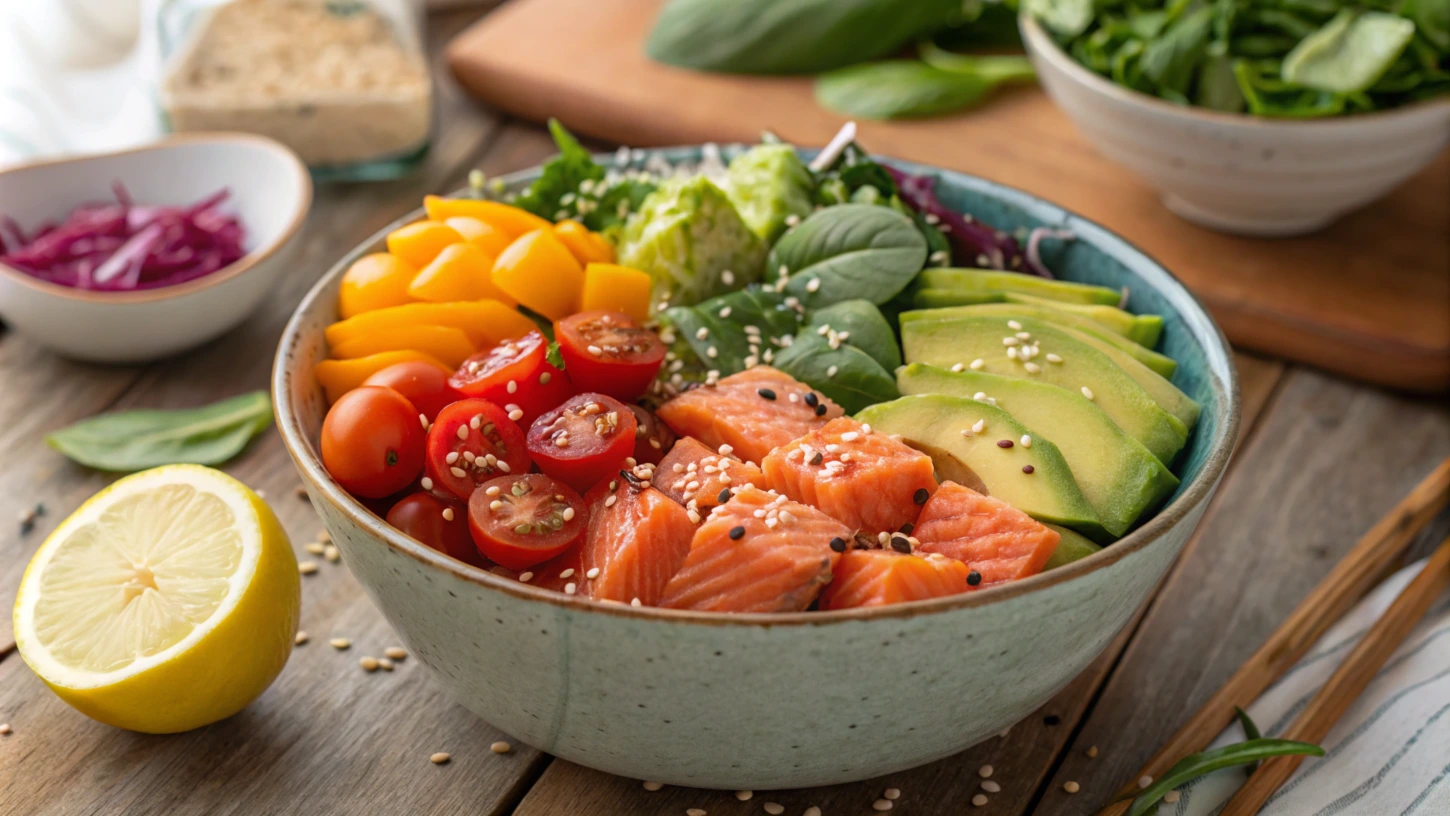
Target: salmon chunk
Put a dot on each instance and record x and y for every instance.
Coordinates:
(758, 552)
(696, 476)
(995, 540)
(863, 478)
(638, 539)
(880, 577)
(754, 412)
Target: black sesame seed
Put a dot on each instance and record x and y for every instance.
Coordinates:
(921, 495)
(907, 528)
(811, 399)
(1004, 443)
(630, 477)
(838, 544)
(820, 410)
(1028, 468)
(974, 578)
(737, 533)
(724, 496)
(766, 393)
(818, 458)
(900, 544)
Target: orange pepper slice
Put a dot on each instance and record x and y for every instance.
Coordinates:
(419, 243)
(374, 281)
(612, 288)
(506, 217)
(588, 247)
(489, 238)
(338, 377)
(540, 272)
(486, 322)
(449, 345)
(460, 272)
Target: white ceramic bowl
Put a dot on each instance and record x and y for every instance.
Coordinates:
(270, 191)
(1237, 173)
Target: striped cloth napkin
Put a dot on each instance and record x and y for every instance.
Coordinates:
(1388, 756)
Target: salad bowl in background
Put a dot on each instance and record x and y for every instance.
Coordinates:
(750, 701)
(1237, 173)
(270, 191)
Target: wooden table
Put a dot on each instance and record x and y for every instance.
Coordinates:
(1320, 460)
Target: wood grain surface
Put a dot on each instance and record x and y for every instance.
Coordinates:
(1368, 297)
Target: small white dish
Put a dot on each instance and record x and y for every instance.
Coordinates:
(271, 192)
(1236, 173)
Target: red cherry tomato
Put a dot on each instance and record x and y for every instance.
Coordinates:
(583, 440)
(422, 516)
(520, 521)
(608, 353)
(424, 384)
(372, 442)
(471, 442)
(652, 438)
(515, 372)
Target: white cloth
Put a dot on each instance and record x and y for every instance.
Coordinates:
(1390, 753)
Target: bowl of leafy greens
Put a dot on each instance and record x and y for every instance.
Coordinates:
(1255, 117)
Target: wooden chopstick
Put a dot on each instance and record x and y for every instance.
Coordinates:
(1355, 574)
(1349, 681)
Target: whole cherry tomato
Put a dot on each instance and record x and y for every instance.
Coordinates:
(424, 384)
(372, 441)
(442, 525)
(607, 352)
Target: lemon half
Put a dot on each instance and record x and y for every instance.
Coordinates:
(168, 601)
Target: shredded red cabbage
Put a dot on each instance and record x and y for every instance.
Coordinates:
(973, 242)
(125, 246)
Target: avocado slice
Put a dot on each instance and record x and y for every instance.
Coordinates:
(964, 340)
(946, 298)
(1162, 365)
(990, 280)
(1117, 475)
(943, 428)
(1144, 329)
(1070, 547)
(1163, 392)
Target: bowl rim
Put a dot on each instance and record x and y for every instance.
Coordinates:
(301, 206)
(1039, 42)
(1194, 494)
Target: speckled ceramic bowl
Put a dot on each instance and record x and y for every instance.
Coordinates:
(775, 701)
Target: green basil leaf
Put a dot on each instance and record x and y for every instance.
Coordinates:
(136, 440)
(847, 252)
(1350, 53)
(846, 374)
(789, 36)
(897, 89)
(865, 327)
(1196, 765)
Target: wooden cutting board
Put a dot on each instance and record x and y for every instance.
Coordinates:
(1368, 297)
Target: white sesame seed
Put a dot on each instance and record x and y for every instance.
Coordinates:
(653, 786)
(526, 577)
(495, 505)
(513, 387)
(979, 426)
(1014, 325)
(438, 758)
(426, 483)
(773, 808)
(957, 367)
(1009, 341)
(635, 602)
(1092, 751)
(515, 415)
(609, 502)
(300, 639)
(570, 588)
(1171, 796)
(727, 277)
(881, 805)
(725, 311)
(339, 643)
(451, 457)
(423, 420)
(985, 771)
(978, 364)
(744, 795)
(1087, 392)
(726, 450)
(1032, 368)
(368, 663)
(991, 787)
(462, 431)
(316, 547)
(396, 653)
(592, 573)
(1145, 781)
(1024, 335)
(865, 427)
(813, 285)
(459, 472)
(892, 793)
(849, 436)
(1026, 440)
(831, 372)
(307, 567)
(1071, 787)
(501, 465)
(568, 514)
(448, 514)
(693, 516)
(702, 333)
(1013, 354)
(1053, 358)
(783, 271)
(500, 747)
(811, 811)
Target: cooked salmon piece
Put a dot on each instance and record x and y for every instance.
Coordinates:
(861, 477)
(880, 577)
(695, 476)
(754, 412)
(638, 539)
(995, 540)
(758, 552)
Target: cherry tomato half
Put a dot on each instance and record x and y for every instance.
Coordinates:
(372, 442)
(422, 516)
(583, 440)
(652, 438)
(515, 372)
(608, 353)
(424, 384)
(471, 442)
(520, 521)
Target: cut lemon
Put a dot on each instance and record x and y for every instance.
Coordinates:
(168, 601)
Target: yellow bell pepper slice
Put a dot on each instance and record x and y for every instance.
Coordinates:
(374, 281)
(338, 377)
(489, 238)
(588, 247)
(449, 345)
(508, 218)
(486, 322)
(612, 288)
(419, 243)
(538, 271)
(460, 272)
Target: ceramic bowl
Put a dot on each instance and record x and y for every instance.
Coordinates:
(270, 191)
(773, 701)
(1236, 173)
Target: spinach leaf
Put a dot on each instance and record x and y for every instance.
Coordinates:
(1432, 21)
(1196, 765)
(741, 327)
(1169, 60)
(789, 36)
(560, 177)
(1350, 53)
(846, 374)
(861, 324)
(899, 89)
(136, 440)
(849, 251)
(1066, 18)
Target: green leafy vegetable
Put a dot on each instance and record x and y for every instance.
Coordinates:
(1196, 765)
(555, 356)
(847, 252)
(790, 36)
(1066, 18)
(572, 185)
(1350, 53)
(136, 440)
(861, 324)
(897, 89)
(846, 374)
(768, 184)
(1169, 60)
(720, 323)
(1251, 729)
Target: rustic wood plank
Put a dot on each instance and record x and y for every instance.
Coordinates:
(1021, 758)
(1328, 459)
